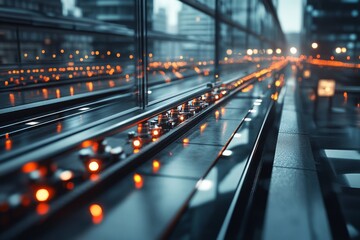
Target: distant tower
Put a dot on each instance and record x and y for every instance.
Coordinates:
(200, 26)
(115, 11)
(160, 20)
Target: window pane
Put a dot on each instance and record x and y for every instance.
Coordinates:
(68, 49)
(180, 49)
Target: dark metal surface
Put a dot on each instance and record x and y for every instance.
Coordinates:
(147, 211)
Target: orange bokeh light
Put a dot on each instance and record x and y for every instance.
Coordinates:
(137, 178)
(42, 208)
(66, 175)
(29, 167)
(93, 166)
(156, 165)
(8, 144)
(42, 194)
(156, 132)
(95, 210)
(137, 143)
(96, 213)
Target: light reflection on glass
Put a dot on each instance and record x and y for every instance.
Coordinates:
(29, 167)
(8, 142)
(94, 177)
(156, 166)
(217, 114)
(45, 93)
(223, 111)
(42, 208)
(186, 141)
(59, 127)
(204, 185)
(96, 212)
(58, 93)
(12, 99)
(203, 127)
(138, 180)
(227, 153)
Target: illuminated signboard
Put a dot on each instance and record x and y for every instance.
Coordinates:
(326, 88)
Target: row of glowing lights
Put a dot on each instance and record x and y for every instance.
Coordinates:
(44, 194)
(338, 50)
(118, 68)
(90, 71)
(86, 55)
(137, 143)
(57, 73)
(108, 69)
(96, 210)
(268, 51)
(77, 52)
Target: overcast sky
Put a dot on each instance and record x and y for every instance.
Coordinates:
(290, 15)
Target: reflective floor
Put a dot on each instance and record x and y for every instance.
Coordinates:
(148, 200)
(334, 127)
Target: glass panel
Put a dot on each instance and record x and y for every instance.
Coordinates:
(180, 49)
(236, 10)
(68, 50)
(232, 58)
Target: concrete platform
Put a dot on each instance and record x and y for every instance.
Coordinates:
(295, 207)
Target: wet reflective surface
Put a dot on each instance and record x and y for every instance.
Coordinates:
(147, 201)
(333, 124)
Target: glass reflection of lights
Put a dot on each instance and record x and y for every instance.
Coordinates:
(237, 135)
(29, 167)
(204, 185)
(227, 153)
(155, 166)
(138, 180)
(247, 119)
(186, 141)
(96, 212)
(42, 208)
(31, 123)
(66, 175)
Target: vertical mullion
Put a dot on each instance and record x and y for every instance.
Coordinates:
(248, 23)
(141, 48)
(217, 39)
